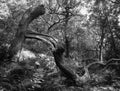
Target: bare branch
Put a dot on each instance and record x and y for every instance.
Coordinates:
(54, 24)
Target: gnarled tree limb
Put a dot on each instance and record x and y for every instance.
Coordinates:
(27, 18)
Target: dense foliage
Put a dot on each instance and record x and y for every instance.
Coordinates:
(59, 45)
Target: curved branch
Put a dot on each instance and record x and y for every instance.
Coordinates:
(55, 23)
(46, 36)
(31, 14)
(40, 38)
(95, 67)
(113, 60)
(27, 18)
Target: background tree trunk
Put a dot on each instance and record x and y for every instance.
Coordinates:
(66, 37)
(101, 45)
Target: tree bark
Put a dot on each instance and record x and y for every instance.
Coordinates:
(27, 18)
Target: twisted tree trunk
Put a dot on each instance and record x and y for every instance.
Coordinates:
(58, 51)
(65, 70)
(27, 18)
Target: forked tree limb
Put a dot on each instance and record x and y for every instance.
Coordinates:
(27, 18)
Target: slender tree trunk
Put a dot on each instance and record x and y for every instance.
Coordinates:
(67, 46)
(67, 42)
(113, 46)
(103, 25)
(27, 18)
(101, 45)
